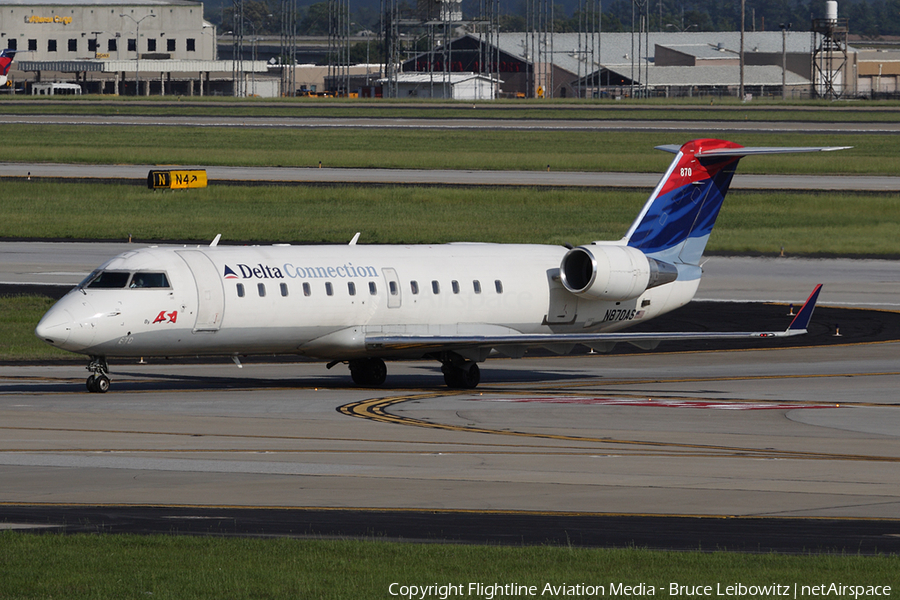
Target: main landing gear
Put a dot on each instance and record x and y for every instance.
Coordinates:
(458, 373)
(461, 374)
(98, 381)
(368, 371)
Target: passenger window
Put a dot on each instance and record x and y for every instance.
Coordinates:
(240, 290)
(455, 285)
(109, 279)
(306, 289)
(498, 285)
(414, 287)
(261, 288)
(477, 286)
(393, 288)
(329, 289)
(435, 287)
(351, 287)
(284, 290)
(373, 289)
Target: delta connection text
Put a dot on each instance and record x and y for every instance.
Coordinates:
(261, 271)
(493, 591)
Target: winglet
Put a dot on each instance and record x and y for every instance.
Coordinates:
(801, 321)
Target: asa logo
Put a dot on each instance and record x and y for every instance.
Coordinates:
(164, 317)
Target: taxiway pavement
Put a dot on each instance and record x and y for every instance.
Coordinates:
(326, 175)
(805, 432)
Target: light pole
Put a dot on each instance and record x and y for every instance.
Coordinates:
(743, 12)
(137, 47)
(784, 29)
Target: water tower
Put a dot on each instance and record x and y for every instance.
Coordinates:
(829, 57)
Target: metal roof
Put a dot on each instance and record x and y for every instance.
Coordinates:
(568, 49)
(714, 75)
(440, 77)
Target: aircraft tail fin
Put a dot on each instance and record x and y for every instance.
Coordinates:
(6, 59)
(678, 218)
(801, 321)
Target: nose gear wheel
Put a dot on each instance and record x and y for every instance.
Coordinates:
(98, 381)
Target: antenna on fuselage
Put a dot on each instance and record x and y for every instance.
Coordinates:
(215, 241)
(355, 237)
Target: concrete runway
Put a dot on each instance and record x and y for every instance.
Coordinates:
(802, 432)
(799, 432)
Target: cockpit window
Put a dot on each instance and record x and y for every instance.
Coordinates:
(120, 279)
(107, 279)
(149, 280)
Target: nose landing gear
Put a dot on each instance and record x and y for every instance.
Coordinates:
(98, 381)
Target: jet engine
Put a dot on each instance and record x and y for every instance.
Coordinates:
(612, 272)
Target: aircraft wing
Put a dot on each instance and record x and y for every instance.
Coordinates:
(429, 343)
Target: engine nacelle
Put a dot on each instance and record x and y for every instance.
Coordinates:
(612, 272)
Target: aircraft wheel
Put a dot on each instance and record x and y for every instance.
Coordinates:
(368, 371)
(102, 383)
(98, 384)
(465, 377)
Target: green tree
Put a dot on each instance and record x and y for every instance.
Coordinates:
(314, 20)
(259, 17)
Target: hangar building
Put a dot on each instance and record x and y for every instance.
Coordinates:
(572, 65)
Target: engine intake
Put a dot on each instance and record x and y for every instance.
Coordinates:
(612, 272)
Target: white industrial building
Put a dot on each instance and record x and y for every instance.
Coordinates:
(447, 86)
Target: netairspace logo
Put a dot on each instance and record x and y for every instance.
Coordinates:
(492, 591)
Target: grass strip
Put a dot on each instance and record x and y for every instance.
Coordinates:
(18, 317)
(837, 224)
(524, 150)
(163, 567)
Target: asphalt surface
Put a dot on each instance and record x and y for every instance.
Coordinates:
(756, 535)
(137, 174)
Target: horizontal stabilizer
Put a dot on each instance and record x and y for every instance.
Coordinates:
(750, 150)
(427, 344)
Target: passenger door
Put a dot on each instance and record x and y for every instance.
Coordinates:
(210, 293)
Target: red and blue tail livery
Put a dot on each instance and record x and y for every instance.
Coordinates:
(678, 218)
(6, 59)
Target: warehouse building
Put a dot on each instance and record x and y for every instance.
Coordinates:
(573, 65)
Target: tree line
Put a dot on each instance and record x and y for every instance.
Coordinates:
(868, 18)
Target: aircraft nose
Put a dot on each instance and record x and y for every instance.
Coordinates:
(68, 325)
(55, 327)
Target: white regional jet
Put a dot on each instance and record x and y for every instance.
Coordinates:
(455, 303)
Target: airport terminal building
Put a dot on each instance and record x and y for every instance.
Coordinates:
(107, 30)
(109, 46)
